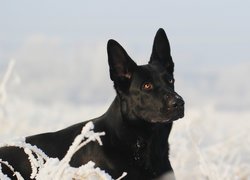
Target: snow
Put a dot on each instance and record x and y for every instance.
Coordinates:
(211, 144)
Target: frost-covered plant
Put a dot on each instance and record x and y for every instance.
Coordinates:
(55, 169)
(44, 167)
(32, 151)
(3, 92)
(5, 177)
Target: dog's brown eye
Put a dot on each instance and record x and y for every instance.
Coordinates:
(147, 86)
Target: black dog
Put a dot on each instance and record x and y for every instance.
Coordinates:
(137, 124)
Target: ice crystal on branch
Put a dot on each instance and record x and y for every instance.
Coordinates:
(44, 167)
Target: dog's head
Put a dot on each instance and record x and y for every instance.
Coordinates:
(146, 92)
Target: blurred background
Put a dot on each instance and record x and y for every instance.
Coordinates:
(54, 71)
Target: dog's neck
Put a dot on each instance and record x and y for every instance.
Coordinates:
(138, 139)
(138, 131)
(136, 126)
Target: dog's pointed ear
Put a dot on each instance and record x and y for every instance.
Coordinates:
(161, 51)
(121, 66)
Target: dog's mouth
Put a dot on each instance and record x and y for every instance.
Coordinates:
(171, 115)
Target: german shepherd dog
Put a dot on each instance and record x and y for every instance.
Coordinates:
(137, 124)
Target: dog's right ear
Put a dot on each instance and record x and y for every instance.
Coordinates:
(121, 66)
(161, 51)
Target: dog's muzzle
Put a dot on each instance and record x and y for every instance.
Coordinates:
(175, 102)
(175, 106)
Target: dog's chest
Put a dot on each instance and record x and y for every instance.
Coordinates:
(148, 156)
(139, 150)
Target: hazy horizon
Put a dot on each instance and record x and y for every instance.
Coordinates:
(62, 46)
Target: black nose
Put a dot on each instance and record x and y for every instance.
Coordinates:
(175, 101)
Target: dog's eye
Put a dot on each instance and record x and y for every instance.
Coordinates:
(147, 86)
(171, 81)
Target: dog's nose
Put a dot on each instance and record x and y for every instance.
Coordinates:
(175, 101)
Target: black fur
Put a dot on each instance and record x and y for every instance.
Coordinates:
(137, 124)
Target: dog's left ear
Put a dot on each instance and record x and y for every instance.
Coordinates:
(161, 51)
(121, 66)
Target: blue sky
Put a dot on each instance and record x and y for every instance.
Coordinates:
(210, 43)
